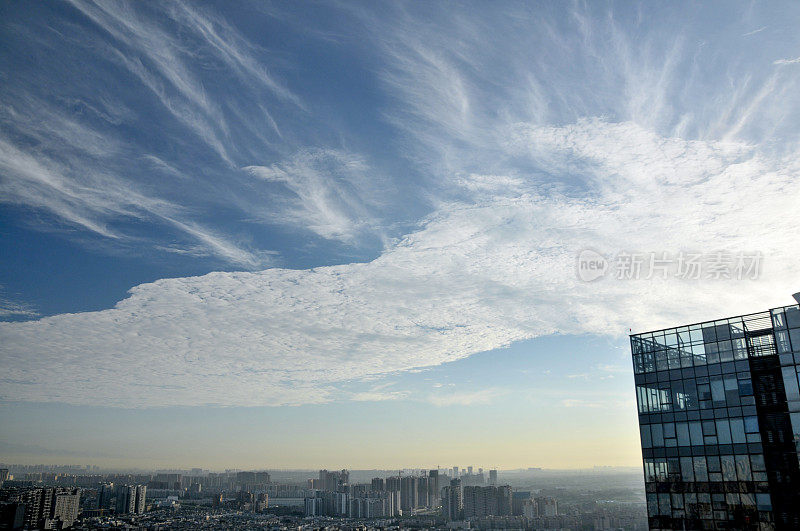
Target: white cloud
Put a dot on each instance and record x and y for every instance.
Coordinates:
(759, 30)
(379, 396)
(794, 61)
(12, 308)
(477, 275)
(334, 193)
(464, 398)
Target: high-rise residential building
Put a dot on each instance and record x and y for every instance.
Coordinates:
(167, 481)
(130, 499)
(409, 494)
(105, 495)
(487, 501)
(518, 499)
(332, 481)
(378, 484)
(393, 483)
(493, 478)
(719, 415)
(66, 503)
(434, 488)
(546, 506)
(251, 480)
(50, 508)
(453, 501)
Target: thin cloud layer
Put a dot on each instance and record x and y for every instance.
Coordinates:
(479, 274)
(333, 193)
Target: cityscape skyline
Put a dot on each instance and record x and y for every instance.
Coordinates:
(62, 497)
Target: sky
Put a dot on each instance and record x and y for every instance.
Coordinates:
(329, 234)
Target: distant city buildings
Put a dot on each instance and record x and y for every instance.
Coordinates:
(387, 496)
(224, 500)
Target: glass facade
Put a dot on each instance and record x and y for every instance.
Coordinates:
(719, 419)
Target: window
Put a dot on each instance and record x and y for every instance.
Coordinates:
(777, 319)
(700, 468)
(683, 337)
(714, 468)
(737, 431)
(709, 432)
(657, 434)
(647, 442)
(748, 499)
(682, 431)
(696, 433)
(739, 349)
(712, 352)
(717, 391)
(731, 389)
(669, 435)
(751, 424)
(687, 469)
(652, 504)
(661, 360)
(690, 398)
(745, 386)
(704, 393)
(664, 505)
(790, 382)
(723, 431)
(671, 339)
(743, 468)
(782, 338)
(763, 502)
(678, 396)
(728, 466)
(757, 462)
(725, 351)
(794, 334)
(793, 317)
(641, 399)
(723, 330)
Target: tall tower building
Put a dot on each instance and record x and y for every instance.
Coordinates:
(434, 489)
(453, 501)
(130, 499)
(719, 418)
(493, 478)
(409, 494)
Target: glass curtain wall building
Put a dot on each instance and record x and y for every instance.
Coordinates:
(719, 415)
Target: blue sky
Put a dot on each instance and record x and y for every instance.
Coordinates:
(344, 211)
